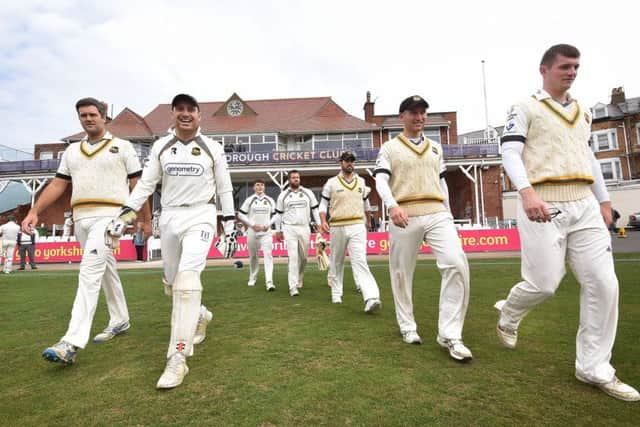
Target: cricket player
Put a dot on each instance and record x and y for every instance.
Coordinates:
(345, 199)
(295, 208)
(563, 214)
(9, 238)
(66, 228)
(99, 165)
(410, 180)
(257, 212)
(193, 172)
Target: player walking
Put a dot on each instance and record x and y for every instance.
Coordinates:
(410, 180)
(256, 212)
(193, 172)
(563, 201)
(295, 208)
(9, 238)
(99, 166)
(344, 197)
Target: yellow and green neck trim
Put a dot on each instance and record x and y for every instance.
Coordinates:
(349, 186)
(419, 149)
(91, 150)
(569, 120)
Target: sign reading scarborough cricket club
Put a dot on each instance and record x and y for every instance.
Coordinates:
(494, 240)
(245, 158)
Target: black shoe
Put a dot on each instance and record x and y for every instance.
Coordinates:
(33, 267)
(21, 268)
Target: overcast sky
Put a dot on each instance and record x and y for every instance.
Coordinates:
(140, 53)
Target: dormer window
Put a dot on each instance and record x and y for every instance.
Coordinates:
(600, 111)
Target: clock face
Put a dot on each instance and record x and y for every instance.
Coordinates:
(234, 108)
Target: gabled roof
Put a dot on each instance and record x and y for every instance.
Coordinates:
(289, 116)
(619, 110)
(127, 124)
(393, 121)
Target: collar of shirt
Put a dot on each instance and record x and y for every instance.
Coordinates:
(300, 187)
(417, 141)
(107, 135)
(353, 177)
(198, 133)
(543, 94)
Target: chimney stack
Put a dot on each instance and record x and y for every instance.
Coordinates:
(617, 95)
(368, 108)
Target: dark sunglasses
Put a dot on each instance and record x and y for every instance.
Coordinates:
(554, 212)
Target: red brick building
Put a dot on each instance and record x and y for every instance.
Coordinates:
(266, 138)
(615, 136)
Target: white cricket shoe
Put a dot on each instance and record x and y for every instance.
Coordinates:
(508, 337)
(457, 350)
(168, 289)
(174, 373)
(336, 300)
(251, 283)
(201, 329)
(294, 292)
(270, 287)
(110, 332)
(411, 337)
(615, 388)
(372, 305)
(62, 352)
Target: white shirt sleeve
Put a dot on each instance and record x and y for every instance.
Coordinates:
(598, 188)
(383, 163)
(63, 168)
(224, 188)
(131, 160)
(244, 207)
(244, 218)
(516, 127)
(277, 218)
(277, 221)
(383, 189)
(315, 214)
(146, 185)
(445, 192)
(324, 205)
(325, 197)
(513, 164)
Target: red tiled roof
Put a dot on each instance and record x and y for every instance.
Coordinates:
(435, 119)
(291, 115)
(127, 124)
(288, 116)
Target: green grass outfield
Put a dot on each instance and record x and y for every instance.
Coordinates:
(273, 360)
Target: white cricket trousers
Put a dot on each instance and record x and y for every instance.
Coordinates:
(440, 233)
(97, 269)
(354, 238)
(186, 234)
(578, 234)
(296, 238)
(8, 249)
(256, 242)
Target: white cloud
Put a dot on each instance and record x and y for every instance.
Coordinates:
(140, 53)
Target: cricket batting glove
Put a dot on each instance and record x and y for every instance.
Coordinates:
(228, 245)
(321, 255)
(118, 224)
(115, 229)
